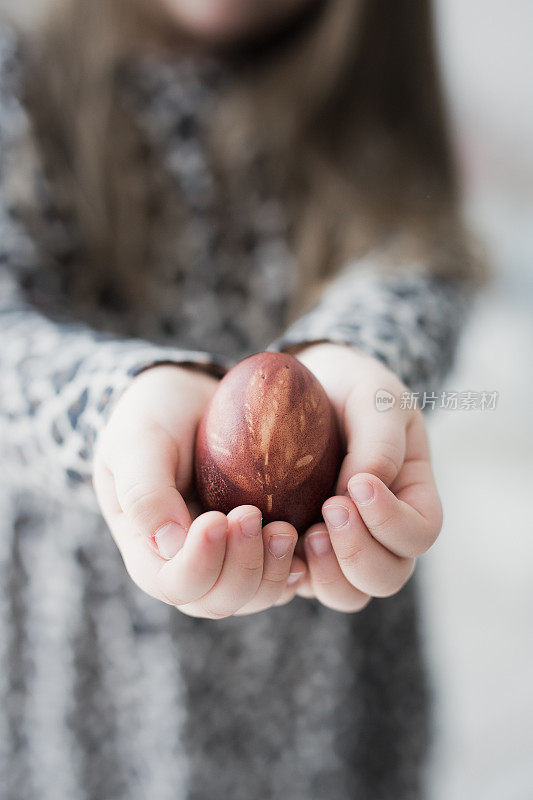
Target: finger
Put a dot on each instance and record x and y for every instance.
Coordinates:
(375, 439)
(196, 568)
(242, 569)
(365, 562)
(408, 518)
(303, 588)
(104, 487)
(406, 529)
(279, 540)
(328, 581)
(190, 574)
(297, 577)
(144, 468)
(415, 484)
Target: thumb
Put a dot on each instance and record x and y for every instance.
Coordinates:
(375, 440)
(144, 471)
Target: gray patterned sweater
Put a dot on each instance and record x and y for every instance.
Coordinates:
(106, 693)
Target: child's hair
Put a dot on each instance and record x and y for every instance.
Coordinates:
(347, 105)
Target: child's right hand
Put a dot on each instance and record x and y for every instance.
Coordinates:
(214, 566)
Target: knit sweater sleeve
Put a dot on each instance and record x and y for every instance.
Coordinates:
(58, 380)
(407, 318)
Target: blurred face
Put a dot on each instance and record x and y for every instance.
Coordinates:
(226, 21)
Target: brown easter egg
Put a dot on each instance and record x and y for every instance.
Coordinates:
(269, 437)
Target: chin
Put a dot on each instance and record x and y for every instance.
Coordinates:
(213, 21)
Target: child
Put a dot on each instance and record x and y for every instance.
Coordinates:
(185, 182)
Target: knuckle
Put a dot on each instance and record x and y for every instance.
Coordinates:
(172, 599)
(210, 573)
(138, 501)
(270, 582)
(351, 557)
(170, 593)
(324, 581)
(428, 539)
(215, 613)
(430, 532)
(386, 463)
(382, 524)
(251, 568)
(393, 585)
(390, 589)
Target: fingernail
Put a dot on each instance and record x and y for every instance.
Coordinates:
(336, 516)
(280, 544)
(293, 577)
(362, 491)
(170, 539)
(251, 524)
(217, 531)
(319, 543)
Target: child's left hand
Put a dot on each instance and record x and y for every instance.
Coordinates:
(386, 510)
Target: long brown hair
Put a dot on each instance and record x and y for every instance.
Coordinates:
(348, 106)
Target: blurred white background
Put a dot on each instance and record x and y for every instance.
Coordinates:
(477, 580)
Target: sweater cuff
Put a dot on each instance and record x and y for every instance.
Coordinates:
(84, 392)
(119, 363)
(105, 375)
